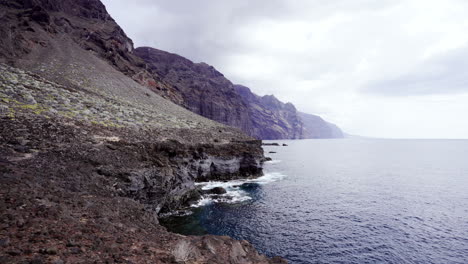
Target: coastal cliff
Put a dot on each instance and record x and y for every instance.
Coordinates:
(315, 127)
(90, 157)
(204, 90)
(270, 118)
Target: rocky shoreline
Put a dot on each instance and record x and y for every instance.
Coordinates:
(90, 190)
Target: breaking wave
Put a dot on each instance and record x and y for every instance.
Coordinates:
(235, 189)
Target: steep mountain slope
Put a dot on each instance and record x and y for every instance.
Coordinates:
(32, 29)
(270, 118)
(204, 90)
(316, 127)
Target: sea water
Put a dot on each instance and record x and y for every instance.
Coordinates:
(347, 201)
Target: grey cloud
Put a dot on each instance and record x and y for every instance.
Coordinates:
(443, 74)
(203, 30)
(200, 30)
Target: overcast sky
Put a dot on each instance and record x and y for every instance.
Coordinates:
(381, 68)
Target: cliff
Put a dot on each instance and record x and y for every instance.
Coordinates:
(273, 119)
(204, 90)
(316, 127)
(270, 118)
(89, 157)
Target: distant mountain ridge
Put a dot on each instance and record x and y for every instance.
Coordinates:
(316, 127)
(204, 90)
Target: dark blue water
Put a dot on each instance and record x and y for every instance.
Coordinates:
(351, 201)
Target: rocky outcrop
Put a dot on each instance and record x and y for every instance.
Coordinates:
(316, 127)
(171, 186)
(203, 89)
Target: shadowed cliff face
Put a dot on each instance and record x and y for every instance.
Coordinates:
(204, 90)
(270, 118)
(273, 119)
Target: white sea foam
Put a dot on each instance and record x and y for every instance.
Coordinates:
(272, 162)
(234, 192)
(202, 202)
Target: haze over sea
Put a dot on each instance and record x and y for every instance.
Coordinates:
(349, 201)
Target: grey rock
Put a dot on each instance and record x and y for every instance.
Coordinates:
(4, 110)
(216, 190)
(29, 99)
(4, 242)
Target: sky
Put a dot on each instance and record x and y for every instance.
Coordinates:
(376, 68)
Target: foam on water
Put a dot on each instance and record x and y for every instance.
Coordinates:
(272, 162)
(234, 192)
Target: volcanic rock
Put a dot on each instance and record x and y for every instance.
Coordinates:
(216, 190)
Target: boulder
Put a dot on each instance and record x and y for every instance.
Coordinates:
(270, 144)
(215, 190)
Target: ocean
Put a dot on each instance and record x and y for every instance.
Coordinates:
(347, 201)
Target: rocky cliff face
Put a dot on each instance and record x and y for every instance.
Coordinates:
(270, 118)
(204, 90)
(316, 127)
